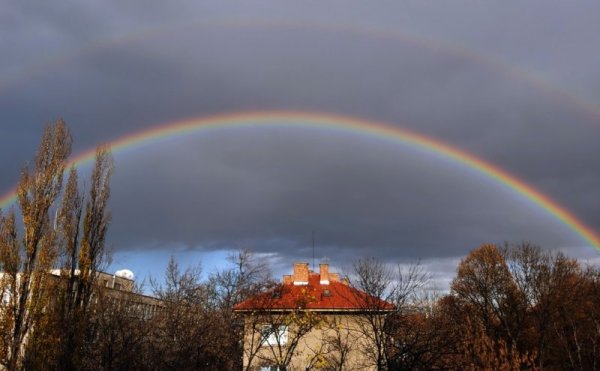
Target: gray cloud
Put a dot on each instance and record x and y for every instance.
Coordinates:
(113, 69)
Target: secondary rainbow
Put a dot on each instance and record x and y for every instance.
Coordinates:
(374, 129)
(495, 65)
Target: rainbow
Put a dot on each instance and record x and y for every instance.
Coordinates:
(495, 65)
(359, 126)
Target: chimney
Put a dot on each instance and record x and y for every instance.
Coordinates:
(287, 278)
(300, 274)
(334, 277)
(324, 273)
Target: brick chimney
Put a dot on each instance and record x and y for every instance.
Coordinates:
(334, 277)
(324, 273)
(300, 274)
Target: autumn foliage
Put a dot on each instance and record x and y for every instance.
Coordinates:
(519, 307)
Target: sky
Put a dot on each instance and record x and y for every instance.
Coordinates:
(514, 84)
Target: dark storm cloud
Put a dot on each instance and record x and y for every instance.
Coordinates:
(244, 186)
(114, 69)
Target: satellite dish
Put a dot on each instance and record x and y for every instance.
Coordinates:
(125, 273)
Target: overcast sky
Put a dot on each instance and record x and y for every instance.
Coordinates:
(514, 83)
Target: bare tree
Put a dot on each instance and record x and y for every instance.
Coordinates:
(381, 292)
(181, 334)
(273, 332)
(246, 277)
(339, 342)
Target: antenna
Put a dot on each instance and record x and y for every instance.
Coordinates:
(313, 249)
(56, 220)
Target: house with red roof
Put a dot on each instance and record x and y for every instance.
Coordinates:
(312, 320)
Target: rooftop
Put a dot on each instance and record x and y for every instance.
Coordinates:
(321, 291)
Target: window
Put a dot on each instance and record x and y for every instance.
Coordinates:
(274, 335)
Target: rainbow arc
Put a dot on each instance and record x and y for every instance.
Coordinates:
(356, 125)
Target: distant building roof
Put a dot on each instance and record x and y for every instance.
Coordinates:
(314, 291)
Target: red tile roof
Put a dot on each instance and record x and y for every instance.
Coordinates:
(335, 296)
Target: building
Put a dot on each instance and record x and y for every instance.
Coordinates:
(310, 321)
(62, 296)
(117, 288)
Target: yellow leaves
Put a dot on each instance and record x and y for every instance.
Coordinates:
(84, 255)
(9, 257)
(43, 238)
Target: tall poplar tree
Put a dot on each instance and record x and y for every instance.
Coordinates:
(27, 260)
(44, 318)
